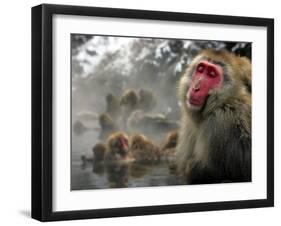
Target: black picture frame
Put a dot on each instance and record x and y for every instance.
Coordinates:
(42, 108)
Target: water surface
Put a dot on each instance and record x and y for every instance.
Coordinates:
(90, 175)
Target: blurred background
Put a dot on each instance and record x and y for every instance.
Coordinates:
(103, 65)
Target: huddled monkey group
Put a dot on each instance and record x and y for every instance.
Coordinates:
(212, 142)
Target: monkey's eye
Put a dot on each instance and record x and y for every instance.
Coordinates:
(200, 68)
(211, 72)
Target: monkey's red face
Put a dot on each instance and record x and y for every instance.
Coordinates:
(123, 145)
(206, 77)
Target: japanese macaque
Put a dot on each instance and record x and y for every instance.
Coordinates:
(146, 101)
(214, 142)
(168, 150)
(79, 128)
(107, 125)
(171, 140)
(118, 148)
(117, 159)
(143, 150)
(113, 107)
(99, 151)
(129, 103)
(129, 100)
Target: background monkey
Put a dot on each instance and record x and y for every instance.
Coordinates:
(113, 107)
(107, 126)
(214, 142)
(99, 151)
(143, 149)
(129, 100)
(129, 103)
(147, 100)
(171, 140)
(117, 159)
(168, 150)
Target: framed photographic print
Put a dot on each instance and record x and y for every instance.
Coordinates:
(146, 112)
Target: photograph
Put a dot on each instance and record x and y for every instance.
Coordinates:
(141, 112)
(149, 111)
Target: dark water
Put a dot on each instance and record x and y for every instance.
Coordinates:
(89, 175)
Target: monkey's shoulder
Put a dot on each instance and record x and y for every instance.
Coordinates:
(229, 144)
(229, 122)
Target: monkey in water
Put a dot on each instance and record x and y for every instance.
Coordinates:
(79, 128)
(143, 149)
(147, 100)
(99, 151)
(107, 126)
(118, 148)
(129, 103)
(168, 150)
(113, 107)
(171, 140)
(169, 145)
(214, 142)
(129, 100)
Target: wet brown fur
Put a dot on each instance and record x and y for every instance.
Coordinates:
(143, 149)
(114, 150)
(113, 107)
(99, 151)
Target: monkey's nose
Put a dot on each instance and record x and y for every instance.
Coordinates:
(196, 88)
(196, 85)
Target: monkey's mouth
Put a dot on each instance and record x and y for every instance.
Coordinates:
(194, 101)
